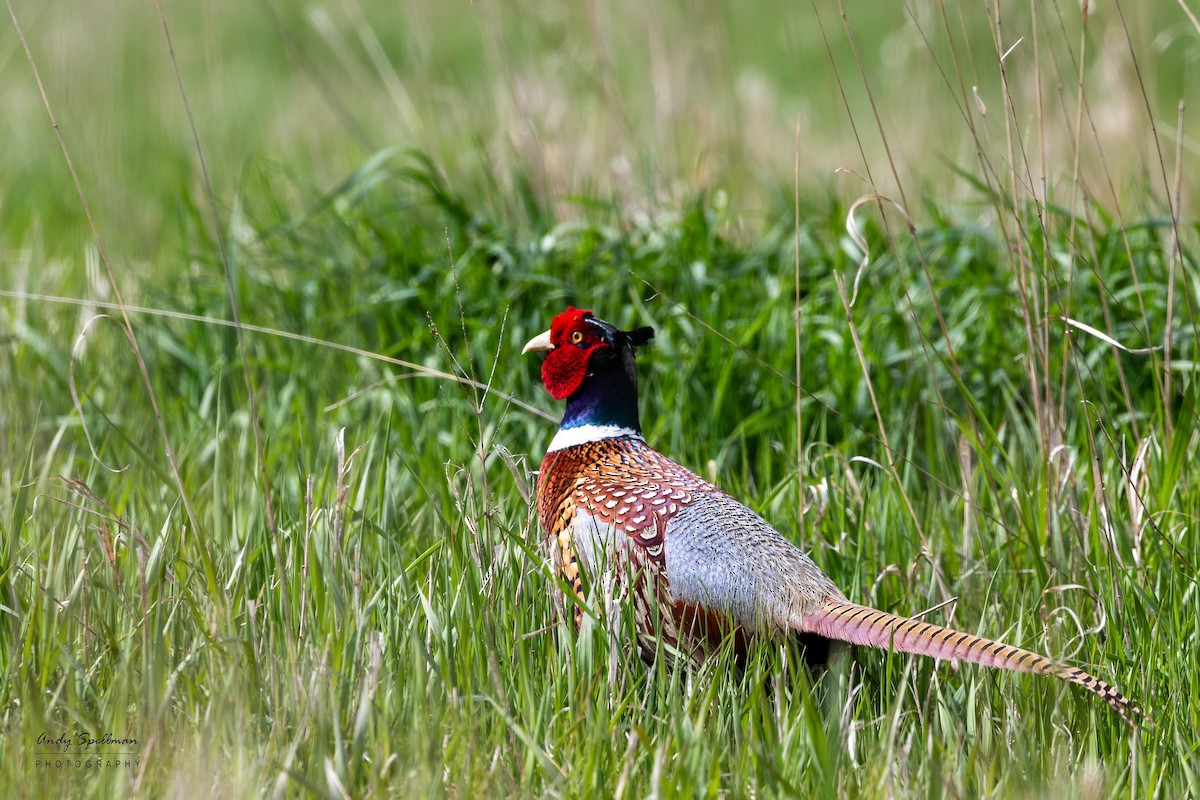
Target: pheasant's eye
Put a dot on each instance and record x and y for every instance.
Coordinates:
(576, 337)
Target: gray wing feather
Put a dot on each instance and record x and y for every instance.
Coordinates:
(722, 555)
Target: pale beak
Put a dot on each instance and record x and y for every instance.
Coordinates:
(539, 342)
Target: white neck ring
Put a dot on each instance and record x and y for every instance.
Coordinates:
(583, 434)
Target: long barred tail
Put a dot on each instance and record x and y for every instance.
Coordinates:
(850, 622)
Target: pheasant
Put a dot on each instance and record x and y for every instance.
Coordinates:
(695, 562)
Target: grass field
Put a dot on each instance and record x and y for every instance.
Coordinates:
(290, 551)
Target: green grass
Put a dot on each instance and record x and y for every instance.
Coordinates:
(397, 632)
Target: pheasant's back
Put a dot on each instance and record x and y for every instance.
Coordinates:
(694, 559)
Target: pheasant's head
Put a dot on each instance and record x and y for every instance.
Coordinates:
(579, 346)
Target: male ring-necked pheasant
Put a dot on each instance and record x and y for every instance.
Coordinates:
(696, 561)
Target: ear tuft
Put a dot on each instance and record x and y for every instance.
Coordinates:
(639, 336)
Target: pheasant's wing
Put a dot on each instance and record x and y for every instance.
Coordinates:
(625, 486)
(721, 555)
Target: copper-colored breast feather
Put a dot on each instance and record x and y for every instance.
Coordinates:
(621, 482)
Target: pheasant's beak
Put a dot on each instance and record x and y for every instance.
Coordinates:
(539, 342)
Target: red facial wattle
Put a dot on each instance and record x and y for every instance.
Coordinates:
(565, 368)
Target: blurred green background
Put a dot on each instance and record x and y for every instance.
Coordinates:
(640, 102)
